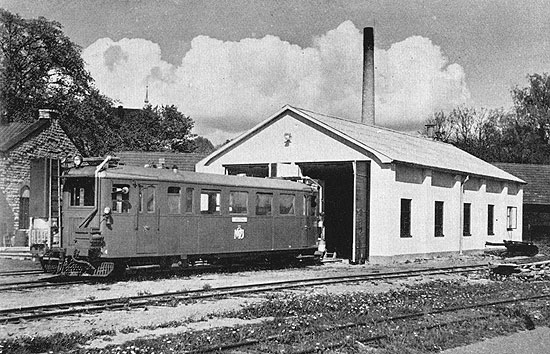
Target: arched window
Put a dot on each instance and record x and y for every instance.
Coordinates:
(24, 218)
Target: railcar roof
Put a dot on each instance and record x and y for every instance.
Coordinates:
(165, 175)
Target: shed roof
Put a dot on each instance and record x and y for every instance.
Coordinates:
(387, 145)
(13, 133)
(537, 190)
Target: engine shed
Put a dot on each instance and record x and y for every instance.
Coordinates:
(386, 194)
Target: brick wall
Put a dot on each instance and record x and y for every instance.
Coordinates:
(51, 142)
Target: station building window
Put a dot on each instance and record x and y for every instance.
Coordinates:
(238, 202)
(438, 227)
(467, 221)
(24, 208)
(210, 201)
(264, 202)
(286, 204)
(174, 200)
(405, 217)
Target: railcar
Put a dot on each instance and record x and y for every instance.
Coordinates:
(115, 216)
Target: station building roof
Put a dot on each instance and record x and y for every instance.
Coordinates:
(387, 145)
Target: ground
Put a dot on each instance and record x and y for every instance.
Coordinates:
(150, 321)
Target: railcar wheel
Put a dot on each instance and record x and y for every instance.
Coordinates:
(119, 269)
(165, 263)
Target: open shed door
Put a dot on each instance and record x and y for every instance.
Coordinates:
(361, 205)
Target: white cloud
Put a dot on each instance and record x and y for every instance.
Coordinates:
(227, 87)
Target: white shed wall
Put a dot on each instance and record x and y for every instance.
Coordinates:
(392, 183)
(307, 145)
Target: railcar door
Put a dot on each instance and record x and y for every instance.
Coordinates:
(311, 229)
(147, 219)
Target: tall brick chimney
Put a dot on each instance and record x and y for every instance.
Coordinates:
(367, 108)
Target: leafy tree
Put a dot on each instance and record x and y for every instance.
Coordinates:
(476, 131)
(162, 128)
(528, 135)
(202, 145)
(40, 67)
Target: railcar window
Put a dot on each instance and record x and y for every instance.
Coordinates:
(81, 190)
(120, 198)
(147, 199)
(210, 202)
(238, 202)
(151, 200)
(189, 200)
(286, 204)
(174, 200)
(264, 202)
(310, 205)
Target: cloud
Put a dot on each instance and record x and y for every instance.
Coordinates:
(227, 87)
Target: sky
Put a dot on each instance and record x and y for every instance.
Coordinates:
(231, 64)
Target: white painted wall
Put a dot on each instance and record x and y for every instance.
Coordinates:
(417, 184)
(307, 145)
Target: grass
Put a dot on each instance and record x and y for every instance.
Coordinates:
(309, 321)
(312, 321)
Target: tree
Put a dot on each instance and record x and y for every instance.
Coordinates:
(202, 145)
(529, 132)
(40, 67)
(162, 128)
(476, 131)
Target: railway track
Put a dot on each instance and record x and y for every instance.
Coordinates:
(12, 273)
(62, 309)
(376, 337)
(41, 283)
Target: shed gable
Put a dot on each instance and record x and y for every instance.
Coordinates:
(290, 138)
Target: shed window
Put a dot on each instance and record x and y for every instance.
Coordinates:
(512, 218)
(466, 231)
(286, 204)
(264, 203)
(189, 200)
(24, 215)
(120, 198)
(438, 219)
(210, 201)
(406, 217)
(174, 200)
(490, 219)
(238, 202)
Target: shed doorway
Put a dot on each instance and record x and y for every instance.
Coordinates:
(338, 181)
